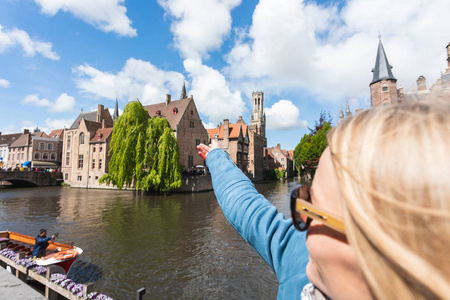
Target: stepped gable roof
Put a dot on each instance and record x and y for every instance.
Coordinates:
(22, 141)
(101, 135)
(89, 116)
(173, 111)
(7, 139)
(56, 134)
(382, 70)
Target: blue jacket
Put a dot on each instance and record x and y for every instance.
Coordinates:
(40, 245)
(260, 224)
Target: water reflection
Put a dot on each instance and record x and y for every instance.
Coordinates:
(176, 246)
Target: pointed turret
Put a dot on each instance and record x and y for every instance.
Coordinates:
(383, 88)
(382, 70)
(341, 115)
(183, 91)
(348, 113)
(116, 111)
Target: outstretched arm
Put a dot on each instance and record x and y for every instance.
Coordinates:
(258, 221)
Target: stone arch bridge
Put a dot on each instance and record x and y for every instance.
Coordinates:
(30, 178)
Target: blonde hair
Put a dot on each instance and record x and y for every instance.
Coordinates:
(393, 169)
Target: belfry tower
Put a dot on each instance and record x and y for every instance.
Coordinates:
(258, 117)
(383, 88)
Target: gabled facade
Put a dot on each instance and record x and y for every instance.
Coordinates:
(233, 138)
(277, 158)
(187, 126)
(86, 147)
(5, 141)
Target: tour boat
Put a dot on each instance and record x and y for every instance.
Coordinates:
(63, 255)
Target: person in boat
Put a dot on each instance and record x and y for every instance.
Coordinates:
(377, 216)
(41, 243)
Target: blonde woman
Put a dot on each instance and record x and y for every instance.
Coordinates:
(377, 216)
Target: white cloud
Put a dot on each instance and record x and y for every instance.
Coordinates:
(107, 15)
(212, 94)
(4, 83)
(54, 124)
(137, 79)
(199, 26)
(34, 100)
(329, 54)
(62, 104)
(10, 38)
(284, 115)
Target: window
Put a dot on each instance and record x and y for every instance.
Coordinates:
(96, 177)
(13, 157)
(191, 124)
(53, 156)
(67, 158)
(101, 148)
(100, 164)
(22, 155)
(45, 156)
(66, 176)
(192, 112)
(80, 161)
(81, 138)
(37, 156)
(385, 88)
(68, 141)
(197, 142)
(41, 146)
(93, 164)
(79, 178)
(191, 161)
(93, 149)
(50, 146)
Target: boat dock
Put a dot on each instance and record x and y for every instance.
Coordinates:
(12, 287)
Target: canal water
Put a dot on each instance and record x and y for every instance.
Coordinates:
(177, 246)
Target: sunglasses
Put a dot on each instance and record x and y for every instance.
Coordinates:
(303, 212)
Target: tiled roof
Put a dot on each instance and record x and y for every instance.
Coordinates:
(6, 139)
(101, 135)
(57, 133)
(233, 131)
(89, 116)
(92, 125)
(22, 141)
(40, 134)
(168, 111)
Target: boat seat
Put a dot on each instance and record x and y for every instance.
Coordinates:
(4, 240)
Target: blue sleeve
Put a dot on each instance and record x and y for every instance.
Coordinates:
(260, 224)
(40, 240)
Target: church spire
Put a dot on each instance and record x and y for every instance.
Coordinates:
(382, 70)
(183, 91)
(116, 110)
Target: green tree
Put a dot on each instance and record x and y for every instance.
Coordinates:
(145, 151)
(311, 146)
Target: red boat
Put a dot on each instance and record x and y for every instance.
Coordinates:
(63, 255)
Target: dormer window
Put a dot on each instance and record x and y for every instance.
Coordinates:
(158, 112)
(192, 112)
(99, 136)
(175, 110)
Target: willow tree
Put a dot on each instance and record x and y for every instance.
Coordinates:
(144, 151)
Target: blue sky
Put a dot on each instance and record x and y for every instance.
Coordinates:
(60, 56)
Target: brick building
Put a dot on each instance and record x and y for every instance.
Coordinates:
(85, 148)
(186, 124)
(37, 147)
(234, 139)
(245, 144)
(277, 158)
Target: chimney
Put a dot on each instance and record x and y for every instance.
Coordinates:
(26, 131)
(168, 97)
(278, 146)
(421, 83)
(226, 129)
(103, 123)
